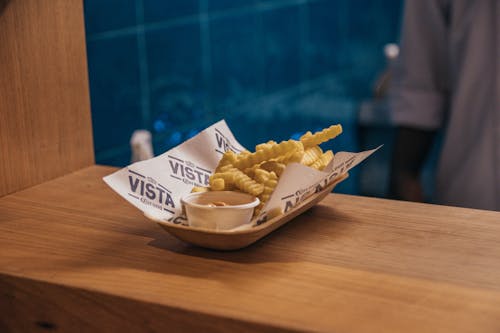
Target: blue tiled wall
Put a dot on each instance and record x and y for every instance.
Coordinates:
(271, 68)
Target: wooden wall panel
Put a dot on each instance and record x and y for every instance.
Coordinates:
(45, 124)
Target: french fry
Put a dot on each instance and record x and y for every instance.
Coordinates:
(200, 189)
(268, 153)
(240, 180)
(323, 161)
(274, 166)
(266, 145)
(290, 157)
(217, 184)
(269, 187)
(311, 154)
(262, 176)
(229, 157)
(309, 140)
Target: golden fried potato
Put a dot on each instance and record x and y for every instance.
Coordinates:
(217, 184)
(266, 145)
(274, 166)
(311, 154)
(323, 161)
(200, 189)
(309, 140)
(268, 153)
(262, 175)
(269, 187)
(240, 180)
(229, 157)
(293, 156)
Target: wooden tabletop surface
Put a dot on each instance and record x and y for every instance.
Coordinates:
(73, 254)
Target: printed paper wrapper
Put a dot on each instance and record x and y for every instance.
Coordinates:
(155, 186)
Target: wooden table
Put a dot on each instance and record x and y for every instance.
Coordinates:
(74, 256)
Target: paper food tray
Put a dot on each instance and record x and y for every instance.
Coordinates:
(237, 239)
(156, 186)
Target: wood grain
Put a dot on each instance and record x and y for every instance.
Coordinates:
(350, 264)
(45, 125)
(79, 310)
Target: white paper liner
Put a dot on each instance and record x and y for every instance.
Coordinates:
(155, 186)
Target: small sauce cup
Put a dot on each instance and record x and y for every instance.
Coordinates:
(219, 210)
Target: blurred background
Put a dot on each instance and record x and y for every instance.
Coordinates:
(272, 68)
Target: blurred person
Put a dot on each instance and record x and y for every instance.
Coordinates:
(448, 78)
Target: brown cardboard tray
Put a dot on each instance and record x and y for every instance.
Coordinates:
(237, 239)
